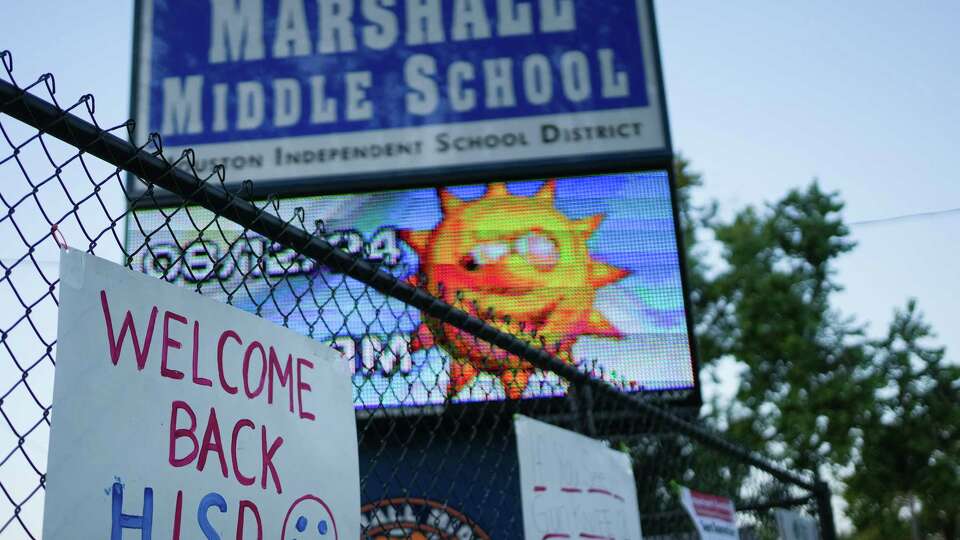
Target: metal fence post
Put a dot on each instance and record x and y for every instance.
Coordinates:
(828, 529)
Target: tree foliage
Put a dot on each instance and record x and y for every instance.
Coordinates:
(909, 463)
(806, 380)
(815, 391)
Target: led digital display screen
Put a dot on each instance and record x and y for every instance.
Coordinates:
(590, 265)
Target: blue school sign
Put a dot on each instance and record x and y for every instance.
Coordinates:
(311, 94)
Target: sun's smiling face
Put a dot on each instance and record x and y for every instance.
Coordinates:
(521, 258)
(510, 257)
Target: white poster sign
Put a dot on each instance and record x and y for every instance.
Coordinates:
(794, 526)
(573, 486)
(713, 516)
(179, 417)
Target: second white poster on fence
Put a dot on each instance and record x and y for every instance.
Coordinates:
(573, 486)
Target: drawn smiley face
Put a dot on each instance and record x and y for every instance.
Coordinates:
(309, 518)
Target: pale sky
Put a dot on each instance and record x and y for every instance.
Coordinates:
(765, 96)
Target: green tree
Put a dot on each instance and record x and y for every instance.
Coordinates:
(907, 477)
(815, 391)
(807, 378)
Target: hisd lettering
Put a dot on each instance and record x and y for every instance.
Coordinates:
(212, 517)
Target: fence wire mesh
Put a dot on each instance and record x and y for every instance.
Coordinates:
(63, 179)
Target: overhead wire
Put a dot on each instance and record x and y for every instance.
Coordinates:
(904, 217)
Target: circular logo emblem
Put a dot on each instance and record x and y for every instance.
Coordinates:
(417, 519)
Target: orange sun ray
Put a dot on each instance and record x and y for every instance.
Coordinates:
(496, 190)
(598, 325)
(548, 192)
(515, 381)
(589, 225)
(602, 274)
(449, 202)
(461, 374)
(419, 241)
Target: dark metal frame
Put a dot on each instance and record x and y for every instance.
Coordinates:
(660, 160)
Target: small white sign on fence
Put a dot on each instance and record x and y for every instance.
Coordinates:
(179, 417)
(573, 486)
(794, 526)
(714, 517)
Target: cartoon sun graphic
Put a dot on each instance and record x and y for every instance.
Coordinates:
(519, 264)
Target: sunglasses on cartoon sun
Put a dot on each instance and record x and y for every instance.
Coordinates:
(539, 250)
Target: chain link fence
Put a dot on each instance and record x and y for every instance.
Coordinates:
(64, 180)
